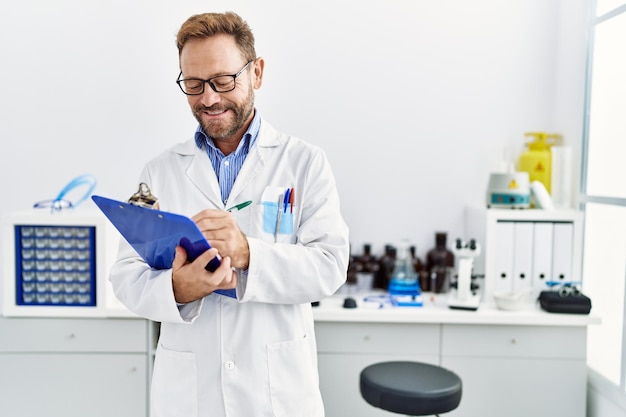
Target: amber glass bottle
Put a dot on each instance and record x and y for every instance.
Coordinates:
(385, 268)
(420, 269)
(369, 267)
(440, 263)
(353, 268)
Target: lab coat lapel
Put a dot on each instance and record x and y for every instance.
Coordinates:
(256, 159)
(251, 168)
(200, 172)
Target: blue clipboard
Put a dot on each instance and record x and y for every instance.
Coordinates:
(154, 234)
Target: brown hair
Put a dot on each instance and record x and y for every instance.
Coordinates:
(206, 25)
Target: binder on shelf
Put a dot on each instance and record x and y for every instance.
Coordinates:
(542, 257)
(154, 234)
(504, 234)
(562, 252)
(522, 255)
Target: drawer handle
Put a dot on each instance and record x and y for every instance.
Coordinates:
(71, 336)
(513, 341)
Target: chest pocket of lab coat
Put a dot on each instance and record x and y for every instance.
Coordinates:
(277, 220)
(271, 221)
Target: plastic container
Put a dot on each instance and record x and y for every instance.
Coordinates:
(562, 171)
(537, 159)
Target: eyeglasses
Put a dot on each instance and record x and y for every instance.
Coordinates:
(219, 84)
(565, 289)
(569, 289)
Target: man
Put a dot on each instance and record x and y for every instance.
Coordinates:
(268, 204)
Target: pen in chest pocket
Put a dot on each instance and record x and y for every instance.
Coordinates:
(279, 212)
(292, 197)
(286, 200)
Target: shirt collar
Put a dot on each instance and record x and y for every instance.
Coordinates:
(248, 140)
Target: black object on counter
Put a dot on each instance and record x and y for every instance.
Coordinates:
(349, 302)
(554, 302)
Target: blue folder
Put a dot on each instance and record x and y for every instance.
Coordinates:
(154, 234)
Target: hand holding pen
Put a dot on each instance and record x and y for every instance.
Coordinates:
(221, 230)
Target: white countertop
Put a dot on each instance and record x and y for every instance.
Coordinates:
(436, 311)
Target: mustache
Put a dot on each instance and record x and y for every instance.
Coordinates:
(214, 108)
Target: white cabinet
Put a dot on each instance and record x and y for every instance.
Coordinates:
(77, 385)
(527, 363)
(344, 349)
(57, 367)
(517, 371)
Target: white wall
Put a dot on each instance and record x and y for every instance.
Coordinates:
(604, 399)
(414, 101)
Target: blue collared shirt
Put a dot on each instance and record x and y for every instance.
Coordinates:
(227, 167)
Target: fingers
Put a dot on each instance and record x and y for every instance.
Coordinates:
(210, 215)
(180, 258)
(207, 257)
(222, 278)
(221, 230)
(191, 281)
(229, 279)
(215, 224)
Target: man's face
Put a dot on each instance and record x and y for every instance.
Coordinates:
(223, 116)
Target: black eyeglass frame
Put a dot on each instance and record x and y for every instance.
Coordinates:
(210, 81)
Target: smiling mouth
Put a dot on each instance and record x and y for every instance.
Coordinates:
(214, 112)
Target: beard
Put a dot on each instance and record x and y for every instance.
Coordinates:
(219, 130)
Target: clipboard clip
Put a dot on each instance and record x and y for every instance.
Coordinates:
(144, 197)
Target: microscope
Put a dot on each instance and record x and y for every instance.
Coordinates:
(463, 295)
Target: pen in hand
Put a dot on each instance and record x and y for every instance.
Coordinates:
(240, 206)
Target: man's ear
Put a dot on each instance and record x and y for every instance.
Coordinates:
(259, 65)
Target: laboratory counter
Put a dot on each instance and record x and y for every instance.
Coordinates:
(513, 363)
(372, 308)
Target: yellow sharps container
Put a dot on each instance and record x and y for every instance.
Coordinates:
(537, 159)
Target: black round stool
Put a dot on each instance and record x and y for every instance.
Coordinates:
(411, 388)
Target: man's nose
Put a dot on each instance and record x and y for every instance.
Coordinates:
(209, 97)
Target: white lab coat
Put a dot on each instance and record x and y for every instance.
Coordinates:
(253, 356)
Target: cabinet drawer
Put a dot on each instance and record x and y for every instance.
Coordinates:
(72, 335)
(73, 385)
(514, 341)
(403, 338)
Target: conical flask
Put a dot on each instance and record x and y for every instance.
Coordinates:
(404, 279)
